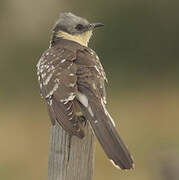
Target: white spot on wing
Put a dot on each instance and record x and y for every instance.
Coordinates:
(63, 60)
(72, 84)
(83, 99)
(97, 69)
(70, 113)
(92, 52)
(71, 74)
(50, 103)
(70, 98)
(52, 91)
(114, 164)
(57, 80)
(90, 111)
(51, 68)
(94, 85)
(65, 102)
(104, 99)
(97, 57)
(48, 79)
(106, 112)
(43, 75)
(41, 70)
(47, 66)
(68, 108)
(70, 118)
(69, 66)
(38, 64)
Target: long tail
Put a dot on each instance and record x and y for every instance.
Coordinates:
(107, 135)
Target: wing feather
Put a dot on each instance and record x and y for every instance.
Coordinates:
(91, 78)
(58, 82)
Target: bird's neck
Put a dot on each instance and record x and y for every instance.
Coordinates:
(82, 39)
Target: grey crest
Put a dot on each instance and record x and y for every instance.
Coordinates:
(72, 24)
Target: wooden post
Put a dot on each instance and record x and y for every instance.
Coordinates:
(70, 159)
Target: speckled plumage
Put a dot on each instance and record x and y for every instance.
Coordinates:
(72, 82)
(62, 75)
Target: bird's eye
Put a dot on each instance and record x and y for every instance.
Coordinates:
(79, 27)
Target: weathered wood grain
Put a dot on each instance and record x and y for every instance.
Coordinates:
(70, 160)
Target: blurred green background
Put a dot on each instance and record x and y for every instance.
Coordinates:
(138, 48)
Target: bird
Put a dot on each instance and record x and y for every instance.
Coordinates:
(72, 83)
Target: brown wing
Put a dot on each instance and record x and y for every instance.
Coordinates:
(57, 76)
(90, 82)
(91, 73)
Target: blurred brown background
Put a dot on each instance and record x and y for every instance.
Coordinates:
(138, 48)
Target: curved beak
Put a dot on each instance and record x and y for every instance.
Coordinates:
(95, 25)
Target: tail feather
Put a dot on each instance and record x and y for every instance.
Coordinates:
(108, 136)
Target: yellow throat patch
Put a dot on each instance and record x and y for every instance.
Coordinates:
(82, 38)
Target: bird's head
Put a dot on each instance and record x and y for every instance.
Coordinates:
(74, 28)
